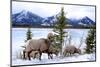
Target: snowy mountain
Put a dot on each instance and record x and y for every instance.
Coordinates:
(71, 22)
(82, 22)
(86, 21)
(26, 18)
(49, 21)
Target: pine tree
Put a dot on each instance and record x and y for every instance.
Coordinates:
(28, 34)
(91, 41)
(59, 29)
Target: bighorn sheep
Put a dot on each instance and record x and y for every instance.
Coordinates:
(41, 45)
(69, 50)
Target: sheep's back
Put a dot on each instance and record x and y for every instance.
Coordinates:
(36, 45)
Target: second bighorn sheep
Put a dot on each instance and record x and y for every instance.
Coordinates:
(69, 50)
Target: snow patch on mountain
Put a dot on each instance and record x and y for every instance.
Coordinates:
(86, 21)
(27, 17)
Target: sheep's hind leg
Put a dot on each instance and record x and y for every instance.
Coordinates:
(40, 55)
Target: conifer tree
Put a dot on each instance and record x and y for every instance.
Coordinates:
(91, 41)
(59, 29)
(28, 34)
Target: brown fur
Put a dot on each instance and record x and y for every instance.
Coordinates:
(41, 45)
(34, 54)
(51, 51)
(69, 50)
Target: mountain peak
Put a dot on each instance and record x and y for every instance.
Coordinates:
(87, 21)
(24, 11)
(26, 17)
(86, 17)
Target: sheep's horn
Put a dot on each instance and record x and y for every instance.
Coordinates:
(23, 46)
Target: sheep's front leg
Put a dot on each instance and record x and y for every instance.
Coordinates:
(24, 55)
(28, 54)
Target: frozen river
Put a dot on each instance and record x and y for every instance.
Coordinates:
(19, 37)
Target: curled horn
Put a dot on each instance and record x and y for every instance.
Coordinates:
(23, 46)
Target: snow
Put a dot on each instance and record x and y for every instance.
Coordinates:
(80, 23)
(19, 36)
(45, 60)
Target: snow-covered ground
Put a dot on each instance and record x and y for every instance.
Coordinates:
(18, 40)
(45, 60)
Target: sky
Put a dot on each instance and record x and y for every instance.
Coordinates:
(46, 10)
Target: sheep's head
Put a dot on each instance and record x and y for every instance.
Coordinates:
(50, 37)
(78, 51)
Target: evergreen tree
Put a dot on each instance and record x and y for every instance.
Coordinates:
(28, 34)
(91, 41)
(59, 29)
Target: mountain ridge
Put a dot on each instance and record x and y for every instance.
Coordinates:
(27, 18)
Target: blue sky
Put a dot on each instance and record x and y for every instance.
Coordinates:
(45, 10)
